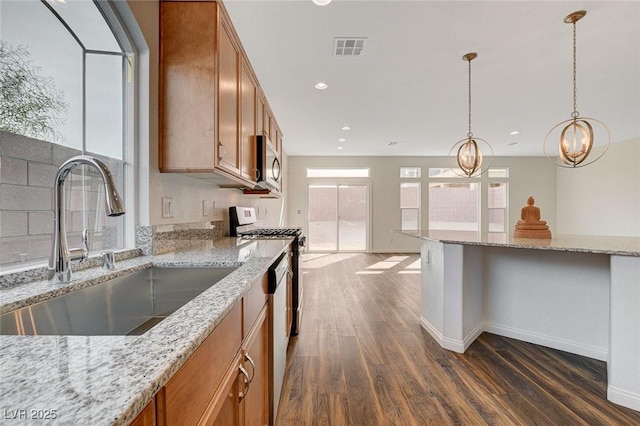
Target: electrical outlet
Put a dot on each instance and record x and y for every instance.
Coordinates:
(167, 207)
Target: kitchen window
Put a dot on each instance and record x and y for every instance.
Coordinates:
(410, 206)
(410, 172)
(338, 173)
(410, 198)
(76, 98)
(454, 210)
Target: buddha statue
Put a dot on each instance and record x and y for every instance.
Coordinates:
(530, 225)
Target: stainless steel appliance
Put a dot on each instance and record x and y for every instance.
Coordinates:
(278, 333)
(242, 224)
(269, 169)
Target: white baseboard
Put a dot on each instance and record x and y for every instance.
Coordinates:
(623, 397)
(451, 344)
(615, 395)
(548, 341)
(438, 337)
(471, 337)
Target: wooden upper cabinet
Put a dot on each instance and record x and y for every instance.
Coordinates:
(208, 94)
(277, 143)
(248, 101)
(269, 127)
(188, 86)
(228, 100)
(261, 106)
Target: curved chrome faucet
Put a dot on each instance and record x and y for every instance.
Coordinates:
(59, 262)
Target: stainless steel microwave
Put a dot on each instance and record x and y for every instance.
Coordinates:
(269, 170)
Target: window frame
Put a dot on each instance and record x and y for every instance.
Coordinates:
(126, 150)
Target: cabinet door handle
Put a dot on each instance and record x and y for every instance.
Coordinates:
(247, 383)
(221, 150)
(253, 366)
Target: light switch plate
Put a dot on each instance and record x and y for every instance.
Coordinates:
(167, 207)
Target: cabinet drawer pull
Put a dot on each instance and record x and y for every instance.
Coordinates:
(253, 366)
(247, 382)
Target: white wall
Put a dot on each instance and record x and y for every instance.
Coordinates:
(188, 193)
(534, 176)
(604, 197)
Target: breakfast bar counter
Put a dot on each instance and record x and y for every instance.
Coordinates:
(579, 294)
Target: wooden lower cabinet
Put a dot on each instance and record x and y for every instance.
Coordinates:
(225, 382)
(186, 396)
(255, 404)
(224, 407)
(147, 417)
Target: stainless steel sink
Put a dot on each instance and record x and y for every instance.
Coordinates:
(128, 305)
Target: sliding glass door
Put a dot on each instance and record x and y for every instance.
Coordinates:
(338, 217)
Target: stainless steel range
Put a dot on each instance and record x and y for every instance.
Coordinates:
(242, 224)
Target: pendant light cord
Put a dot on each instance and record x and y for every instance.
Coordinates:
(470, 135)
(575, 113)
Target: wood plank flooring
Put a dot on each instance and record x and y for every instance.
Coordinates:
(362, 359)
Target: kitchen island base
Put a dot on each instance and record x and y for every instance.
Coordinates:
(585, 302)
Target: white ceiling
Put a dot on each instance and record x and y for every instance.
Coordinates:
(410, 84)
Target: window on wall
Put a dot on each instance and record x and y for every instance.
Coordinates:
(410, 172)
(338, 173)
(497, 211)
(410, 206)
(497, 205)
(68, 70)
(454, 210)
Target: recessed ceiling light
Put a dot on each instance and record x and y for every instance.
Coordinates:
(346, 128)
(321, 86)
(321, 2)
(342, 140)
(515, 132)
(340, 147)
(514, 143)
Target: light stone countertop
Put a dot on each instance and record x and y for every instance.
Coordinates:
(108, 380)
(622, 246)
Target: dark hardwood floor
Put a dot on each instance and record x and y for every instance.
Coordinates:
(363, 359)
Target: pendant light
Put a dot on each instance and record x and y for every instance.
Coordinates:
(467, 152)
(577, 137)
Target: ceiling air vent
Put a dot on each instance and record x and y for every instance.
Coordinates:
(348, 46)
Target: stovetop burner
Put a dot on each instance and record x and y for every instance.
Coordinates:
(271, 232)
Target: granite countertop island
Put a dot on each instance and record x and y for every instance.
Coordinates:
(622, 246)
(578, 294)
(108, 380)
